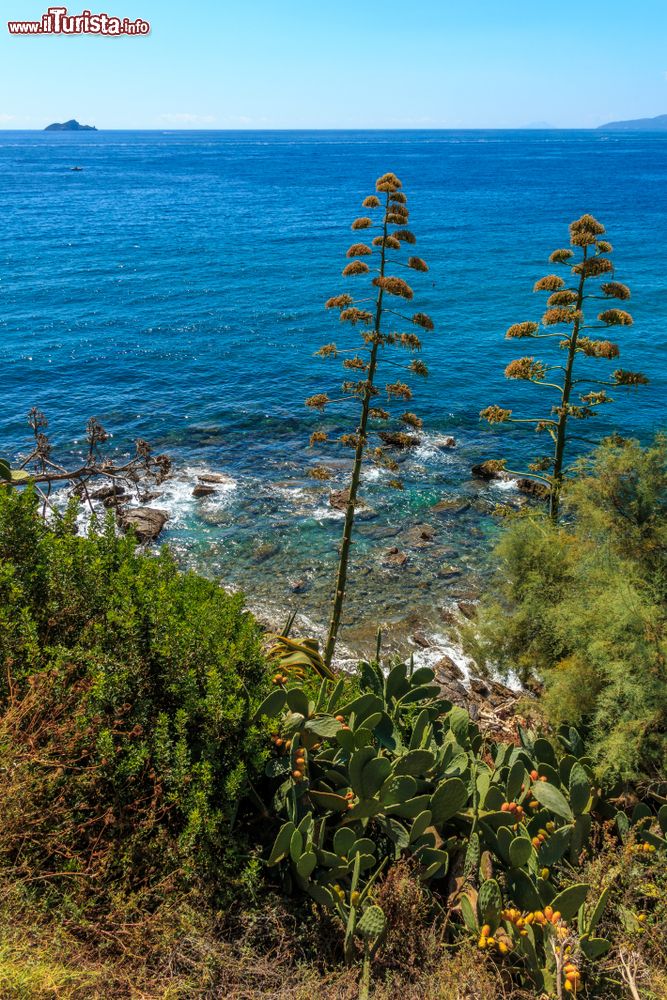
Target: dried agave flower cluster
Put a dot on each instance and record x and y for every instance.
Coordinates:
(374, 259)
(565, 310)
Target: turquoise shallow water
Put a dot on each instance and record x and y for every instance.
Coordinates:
(174, 288)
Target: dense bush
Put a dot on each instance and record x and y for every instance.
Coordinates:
(127, 690)
(582, 608)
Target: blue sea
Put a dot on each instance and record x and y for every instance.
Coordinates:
(174, 289)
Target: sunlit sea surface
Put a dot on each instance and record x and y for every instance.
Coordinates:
(174, 289)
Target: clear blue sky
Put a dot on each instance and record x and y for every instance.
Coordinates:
(339, 64)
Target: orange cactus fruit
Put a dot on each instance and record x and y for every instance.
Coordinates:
(534, 775)
(486, 930)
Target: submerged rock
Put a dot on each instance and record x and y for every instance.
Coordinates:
(447, 441)
(449, 572)
(265, 551)
(147, 522)
(450, 505)
(420, 536)
(203, 491)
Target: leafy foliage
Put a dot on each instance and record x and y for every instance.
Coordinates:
(583, 608)
(127, 693)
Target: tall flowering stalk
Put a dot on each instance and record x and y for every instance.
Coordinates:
(577, 398)
(362, 361)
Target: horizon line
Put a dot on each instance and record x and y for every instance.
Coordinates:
(345, 128)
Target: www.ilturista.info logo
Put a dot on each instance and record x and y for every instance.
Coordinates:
(57, 21)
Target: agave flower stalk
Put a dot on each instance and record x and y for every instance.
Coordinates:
(564, 322)
(364, 358)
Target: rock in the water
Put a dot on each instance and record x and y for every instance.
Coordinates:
(489, 470)
(107, 492)
(203, 491)
(420, 536)
(449, 572)
(399, 439)
(533, 488)
(147, 522)
(448, 667)
(421, 640)
(298, 586)
(447, 441)
(147, 497)
(338, 499)
(394, 557)
(451, 506)
(215, 477)
(265, 551)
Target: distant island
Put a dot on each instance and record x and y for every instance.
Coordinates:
(71, 126)
(657, 124)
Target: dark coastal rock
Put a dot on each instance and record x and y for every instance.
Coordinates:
(107, 492)
(147, 522)
(115, 500)
(447, 441)
(70, 126)
(338, 499)
(394, 557)
(203, 491)
(215, 477)
(450, 505)
(449, 616)
(147, 497)
(298, 586)
(421, 640)
(490, 470)
(450, 678)
(399, 439)
(533, 488)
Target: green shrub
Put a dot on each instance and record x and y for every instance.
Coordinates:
(127, 690)
(583, 608)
